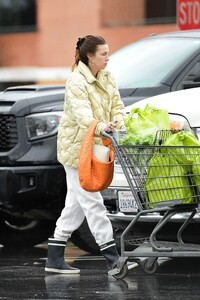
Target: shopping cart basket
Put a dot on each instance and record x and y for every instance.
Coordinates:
(165, 180)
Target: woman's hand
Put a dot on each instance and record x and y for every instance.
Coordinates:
(109, 127)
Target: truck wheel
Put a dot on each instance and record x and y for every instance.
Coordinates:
(83, 239)
(23, 233)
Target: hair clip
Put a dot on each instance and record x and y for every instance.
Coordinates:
(79, 43)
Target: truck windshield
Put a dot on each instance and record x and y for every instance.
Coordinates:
(147, 62)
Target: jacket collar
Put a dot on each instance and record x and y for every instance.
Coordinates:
(85, 71)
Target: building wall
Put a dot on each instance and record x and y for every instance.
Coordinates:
(60, 28)
(61, 22)
(121, 13)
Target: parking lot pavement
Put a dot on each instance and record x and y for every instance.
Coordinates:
(22, 276)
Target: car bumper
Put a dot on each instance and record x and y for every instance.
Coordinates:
(152, 217)
(32, 187)
(111, 201)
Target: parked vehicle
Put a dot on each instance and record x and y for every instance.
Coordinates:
(157, 64)
(33, 183)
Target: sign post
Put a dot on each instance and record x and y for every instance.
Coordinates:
(188, 14)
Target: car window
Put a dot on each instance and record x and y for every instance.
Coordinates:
(147, 62)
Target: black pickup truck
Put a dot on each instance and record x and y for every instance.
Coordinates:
(32, 182)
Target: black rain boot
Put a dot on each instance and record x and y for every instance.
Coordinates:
(115, 263)
(55, 259)
(109, 251)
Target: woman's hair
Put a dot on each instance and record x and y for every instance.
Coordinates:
(85, 45)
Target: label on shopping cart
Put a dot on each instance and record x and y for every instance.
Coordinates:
(126, 202)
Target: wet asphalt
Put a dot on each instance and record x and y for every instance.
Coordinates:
(22, 276)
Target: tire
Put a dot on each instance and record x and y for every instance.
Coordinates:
(123, 273)
(24, 233)
(83, 239)
(150, 265)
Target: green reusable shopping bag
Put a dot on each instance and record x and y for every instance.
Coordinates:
(189, 157)
(141, 128)
(142, 125)
(167, 181)
(159, 117)
(183, 154)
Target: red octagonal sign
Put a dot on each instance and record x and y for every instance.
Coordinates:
(188, 14)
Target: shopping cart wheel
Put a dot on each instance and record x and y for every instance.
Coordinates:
(123, 273)
(120, 270)
(150, 265)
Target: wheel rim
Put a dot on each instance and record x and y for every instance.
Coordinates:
(21, 225)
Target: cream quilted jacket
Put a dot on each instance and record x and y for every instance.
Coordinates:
(86, 98)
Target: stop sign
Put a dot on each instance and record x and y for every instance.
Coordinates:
(188, 14)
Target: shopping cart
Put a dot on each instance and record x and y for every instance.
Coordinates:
(164, 180)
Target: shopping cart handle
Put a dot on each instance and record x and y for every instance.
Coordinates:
(111, 136)
(107, 134)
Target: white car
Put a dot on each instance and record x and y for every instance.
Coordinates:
(183, 105)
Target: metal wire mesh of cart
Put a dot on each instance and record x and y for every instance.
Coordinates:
(161, 175)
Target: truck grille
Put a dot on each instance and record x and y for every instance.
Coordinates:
(8, 132)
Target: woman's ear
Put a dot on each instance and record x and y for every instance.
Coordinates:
(90, 57)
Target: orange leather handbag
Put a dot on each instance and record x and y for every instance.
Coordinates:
(94, 174)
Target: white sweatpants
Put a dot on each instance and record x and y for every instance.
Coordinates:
(78, 205)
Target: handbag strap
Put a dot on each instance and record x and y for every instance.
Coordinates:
(90, 134)
(87, 143)
(92, 127)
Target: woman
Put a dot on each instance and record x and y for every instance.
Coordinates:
(91, 93)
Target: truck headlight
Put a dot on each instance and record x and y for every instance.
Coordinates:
(42, 124)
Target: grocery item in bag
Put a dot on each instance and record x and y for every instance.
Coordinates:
(167, 181)
(142, 125)
(181, 153)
